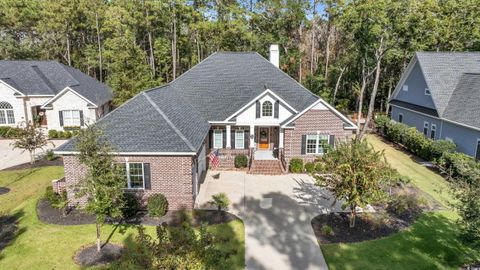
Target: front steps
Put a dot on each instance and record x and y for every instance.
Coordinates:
(266, 167)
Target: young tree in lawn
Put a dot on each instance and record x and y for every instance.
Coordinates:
(103, 183)
(30, 138)
(355, 173)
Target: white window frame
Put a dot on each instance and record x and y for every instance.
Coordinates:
(242, 145)
(216, 132)
(317, 142)
(5, 111)
(425, 125)
(70, 120)
(271, 108)
(434, 129)
(127, 171)
(400, 114)
(427, 92)
(405, 88)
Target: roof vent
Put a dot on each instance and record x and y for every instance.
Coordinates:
(274, 55)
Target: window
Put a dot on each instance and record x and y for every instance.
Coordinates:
(239, 139)
(427, 91)
(267, 108)
(425, 128)
(6, 113)
(134, 173)
(71, 118)
(316, 144)
(400, 118)
(433, 131)
(405, 87)
(449, 139)
(217, 139)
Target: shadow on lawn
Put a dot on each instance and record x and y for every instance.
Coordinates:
(20, 175)
(9, 230)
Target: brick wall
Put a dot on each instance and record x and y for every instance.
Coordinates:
(170, 175)
(311, 122)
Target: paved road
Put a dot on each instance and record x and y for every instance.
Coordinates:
(10, 157)
(277, 213)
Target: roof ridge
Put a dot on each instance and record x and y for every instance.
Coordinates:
(68, 72)
(179, 133)
(44, 78)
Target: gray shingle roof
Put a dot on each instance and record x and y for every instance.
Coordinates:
(51, 77)
(464, 104)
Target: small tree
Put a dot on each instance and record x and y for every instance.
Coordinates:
(355, 173)
(104, 182)
(30, 138)
(220, 200)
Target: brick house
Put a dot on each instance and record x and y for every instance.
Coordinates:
(238, 103)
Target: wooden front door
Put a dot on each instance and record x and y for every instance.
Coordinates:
(264, 138)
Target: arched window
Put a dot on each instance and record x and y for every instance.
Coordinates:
(6, 113)
(267, 108)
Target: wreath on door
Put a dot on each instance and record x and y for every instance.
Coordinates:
(263, 133)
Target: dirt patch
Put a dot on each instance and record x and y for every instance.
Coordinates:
(88, 256)
(48, 214)
(4, 190)
(367, 227)
(39, 163)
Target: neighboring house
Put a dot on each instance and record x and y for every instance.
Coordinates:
(439, 94)
(233, 102)
(56, 95)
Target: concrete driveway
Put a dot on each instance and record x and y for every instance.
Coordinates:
(10, 157)
(277, 213)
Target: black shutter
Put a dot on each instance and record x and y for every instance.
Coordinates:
(224, 144)
(210, 139)
(304, 140)
(247, 138)
(60, 116)
(331, 141)
(232, 139)
(276, 108)
(147, 176)
(257, 108)
(81, 118)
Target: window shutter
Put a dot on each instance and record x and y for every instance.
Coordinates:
(304, 140)
(60, 116)
(147, 176)
(331, 140)
(81, 119)
(276, 108)
(232, 138)
(257, 108)
(224, 143)
(247, 138)
(210, 139)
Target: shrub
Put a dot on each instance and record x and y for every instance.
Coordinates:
(319, 167)
(4, 131)
(71, 128)
(56, 200)
(220, 200)
(52, 134)
(310, 167)
(241, 161)
(157, 205)
(381, 122)
(132, 205)
(459, 165)
(10, 132)
(326, 230)
(67, 134)
(437, 148)
(49, 155)
(296, 165)
(61, 134)
(407, 206)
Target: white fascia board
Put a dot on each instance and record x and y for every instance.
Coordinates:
(404, 77)
(221, 122)
(44, 106)
(13, 89)
(134, 153)
(267, 91)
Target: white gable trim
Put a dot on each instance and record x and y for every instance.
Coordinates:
(268, 91)
(66, 89)
(343, 117)
(12, 88)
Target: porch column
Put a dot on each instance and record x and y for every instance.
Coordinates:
(252, 136)
(281, 138)
(229, 139)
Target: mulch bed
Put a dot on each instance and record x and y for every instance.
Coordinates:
(39, 163)
(48, 214)
(88, 256)
(4, 190)
(367, 227)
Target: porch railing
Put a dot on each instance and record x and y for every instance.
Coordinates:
(250, 158)
(281, 154)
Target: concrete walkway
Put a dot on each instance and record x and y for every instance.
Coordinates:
(277, 213)
(10, 157)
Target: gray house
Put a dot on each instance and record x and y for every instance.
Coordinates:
(439, 94)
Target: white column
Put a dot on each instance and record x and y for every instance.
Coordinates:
(252, 136)
(281, 138)
(229, 139)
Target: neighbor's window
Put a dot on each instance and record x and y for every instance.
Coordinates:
(316, 144)
(267, 108)
(427, 91)
(425, 128)
(239, 139)
(400, 118)
(6, 113)
(71, 118)
(217, 139)
(134, 173)
(432, 132)
(405, 87)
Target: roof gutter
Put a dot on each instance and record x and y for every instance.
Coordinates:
(134, 153)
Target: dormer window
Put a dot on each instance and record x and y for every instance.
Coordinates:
(405, 88)
(267, 109)
(427, 91)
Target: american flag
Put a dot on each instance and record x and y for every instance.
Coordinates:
(213, 156)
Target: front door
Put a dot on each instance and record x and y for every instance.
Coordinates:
(264, 138)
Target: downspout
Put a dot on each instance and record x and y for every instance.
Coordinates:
(441, 129)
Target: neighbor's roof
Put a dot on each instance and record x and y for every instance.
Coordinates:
(226, 81)
(154, 121)
(50, 77)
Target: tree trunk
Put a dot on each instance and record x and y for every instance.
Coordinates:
(32, 157)
(360, 101)
(327, 51)
(338, 85)
(69, 60)
(100, 60)
(353, 215)
(174, 45)
(99, 244)
(387, 106)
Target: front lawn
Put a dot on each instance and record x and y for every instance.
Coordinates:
(44, 246)
(431, 243)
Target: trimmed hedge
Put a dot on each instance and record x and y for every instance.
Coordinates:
(296, 165)
(412, 139)
(9, 132)
(459, 166)
(59, 134)
(157, 205)
(241, 161)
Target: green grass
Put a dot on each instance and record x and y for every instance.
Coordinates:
(44, 246)
(431, 243)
